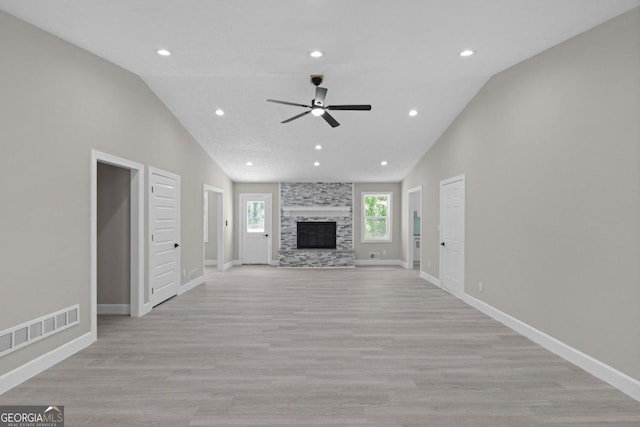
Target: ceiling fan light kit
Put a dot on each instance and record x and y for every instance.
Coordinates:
(317, 107)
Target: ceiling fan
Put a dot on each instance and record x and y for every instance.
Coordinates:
(317, 107)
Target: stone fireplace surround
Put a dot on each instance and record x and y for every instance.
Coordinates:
(316, 201)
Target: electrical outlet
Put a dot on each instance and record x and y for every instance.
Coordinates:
(480, 287)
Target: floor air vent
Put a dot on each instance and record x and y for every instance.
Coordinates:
(30, 332)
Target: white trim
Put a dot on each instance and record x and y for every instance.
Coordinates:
(316, 211)
(170, 175)
(410, 236)
(210, 262)
(430, 278)
(44, 362)
(462, 249)
(279, 221)
(113, 309)
(206, 188)
(404, 264)
(230, 264)
(606, 373)
(379, 262)
(138, 305)
(389, 217)
(190, 285)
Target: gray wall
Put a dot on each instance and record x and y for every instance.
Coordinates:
(114, 235)
(393, 248)
(551, 153)
(57, 103)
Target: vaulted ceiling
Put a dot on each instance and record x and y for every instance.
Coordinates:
(397, 56)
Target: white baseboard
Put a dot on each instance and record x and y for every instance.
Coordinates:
(430, 278)
(210, 262)
(405, 265)
(230, 264)
(114, 309)
(190, 285)
(47, 360)
(606, 373)
(378, 262)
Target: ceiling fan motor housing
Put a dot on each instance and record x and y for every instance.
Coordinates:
(316, 79)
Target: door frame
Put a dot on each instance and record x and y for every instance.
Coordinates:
(411, 191)
(269, 226)
(137, 305)
(219, 193)
(158, 171)
(462, 234)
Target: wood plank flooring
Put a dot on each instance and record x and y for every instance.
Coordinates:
(372, 346)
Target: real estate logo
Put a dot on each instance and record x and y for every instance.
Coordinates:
(32, 416)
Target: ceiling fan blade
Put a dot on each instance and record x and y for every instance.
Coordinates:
(350, 107)
(321, 93)
(329, 119)
(297, 117)
(287, 103)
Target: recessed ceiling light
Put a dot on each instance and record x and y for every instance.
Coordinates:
(467, 52)
(219, 112)
(315, 54)
(249, 163)
(384, 163)
(413, 113)
(316, 163)
(318, 147)
(163, 52)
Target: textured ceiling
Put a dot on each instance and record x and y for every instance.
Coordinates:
(235, 54)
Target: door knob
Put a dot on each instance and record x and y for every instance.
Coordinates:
(175, 245)
(266, 235)
(442, 244)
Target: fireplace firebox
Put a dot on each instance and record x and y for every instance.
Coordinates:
(316, 235)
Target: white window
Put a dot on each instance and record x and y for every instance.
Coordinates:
(255, 216)
(376, 217)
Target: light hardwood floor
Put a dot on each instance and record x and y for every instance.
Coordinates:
(372, 346)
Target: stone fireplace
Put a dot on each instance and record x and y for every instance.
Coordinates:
(317, 205)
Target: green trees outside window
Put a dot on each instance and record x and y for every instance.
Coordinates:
(376, 216)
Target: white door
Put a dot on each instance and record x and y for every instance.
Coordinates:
(164, 235)
(452, 234)
(255, 220)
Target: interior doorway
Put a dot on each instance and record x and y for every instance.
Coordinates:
(164, 235)
(452, 240)
(130, 174)
(414, 229)
(213, 228)
(114, 239)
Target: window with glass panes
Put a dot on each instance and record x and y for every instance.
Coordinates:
(376, 217)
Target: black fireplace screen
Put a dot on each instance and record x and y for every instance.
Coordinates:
(316, 235)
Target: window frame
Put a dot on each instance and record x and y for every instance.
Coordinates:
(246, 217)
(389, 237)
